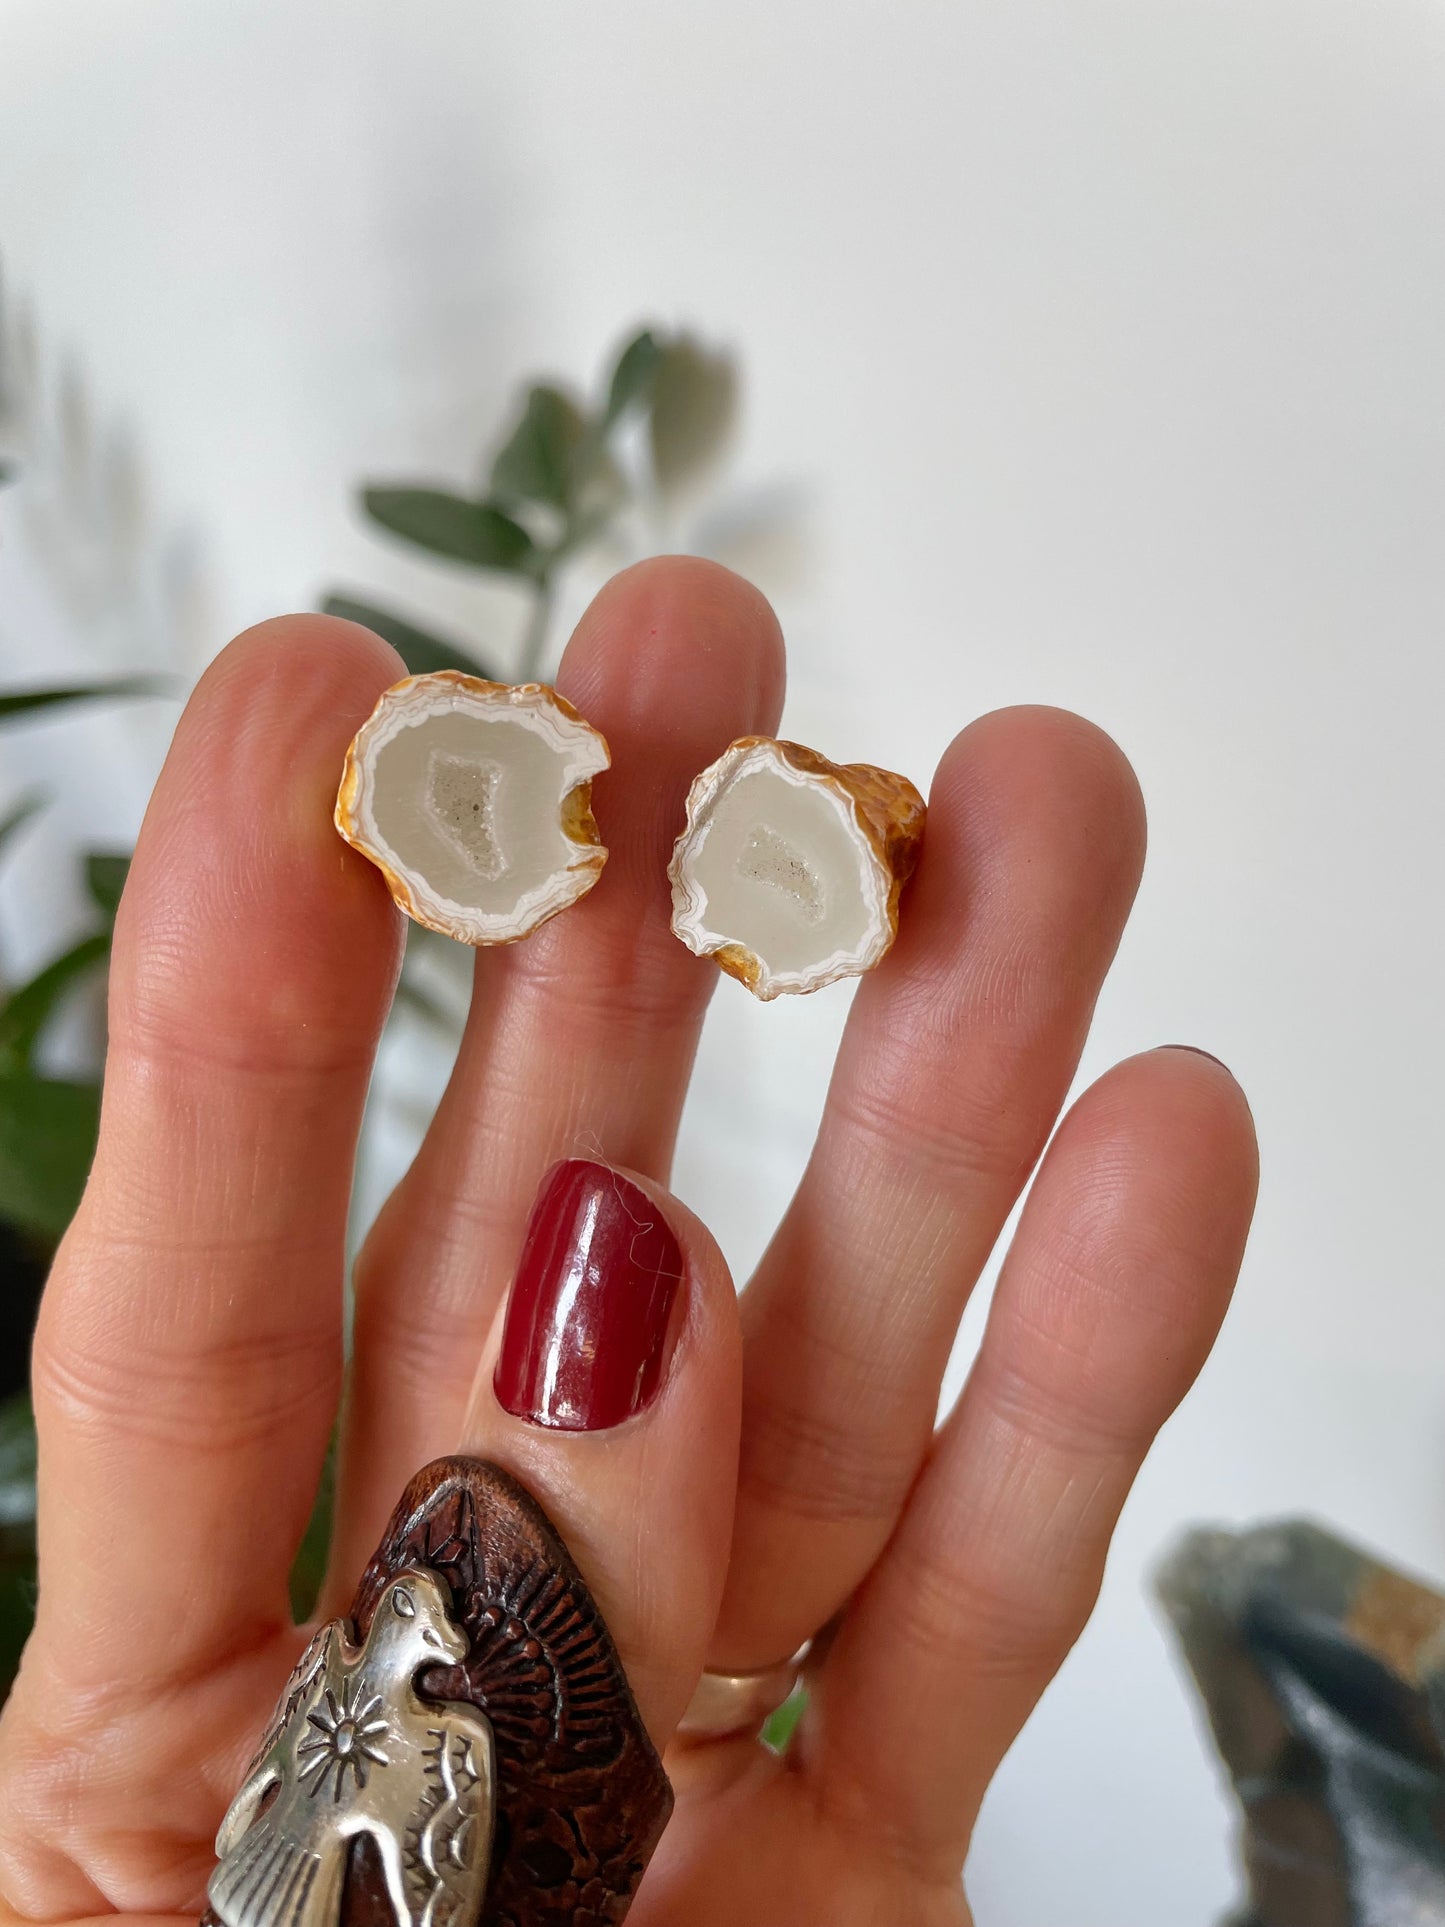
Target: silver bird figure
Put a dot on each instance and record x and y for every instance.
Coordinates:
(353, 1750)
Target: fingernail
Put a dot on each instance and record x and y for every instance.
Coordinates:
(584, 1343)
(1195, 1051)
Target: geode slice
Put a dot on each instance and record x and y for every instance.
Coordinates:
(474, 800)
(789, 869)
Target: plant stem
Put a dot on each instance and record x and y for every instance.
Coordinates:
(534, 641)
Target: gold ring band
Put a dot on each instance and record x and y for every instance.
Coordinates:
(731, 1703)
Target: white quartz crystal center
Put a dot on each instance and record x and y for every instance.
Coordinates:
(462, 798)
(771, 860)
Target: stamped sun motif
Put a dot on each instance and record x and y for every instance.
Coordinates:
(348, 1739)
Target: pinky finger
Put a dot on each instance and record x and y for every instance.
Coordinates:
(1106, 1308)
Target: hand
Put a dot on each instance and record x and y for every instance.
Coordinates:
(188, 1362)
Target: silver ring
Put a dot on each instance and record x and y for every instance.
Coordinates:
(731, 1703)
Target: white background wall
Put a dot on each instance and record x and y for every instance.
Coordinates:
(1099, 352)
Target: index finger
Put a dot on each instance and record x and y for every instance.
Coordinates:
(188, 1354)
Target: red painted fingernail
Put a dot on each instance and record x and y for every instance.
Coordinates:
(585, 1338)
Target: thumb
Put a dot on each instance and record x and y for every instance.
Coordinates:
(611, 1389)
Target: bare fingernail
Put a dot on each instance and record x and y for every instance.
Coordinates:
(1195, 1051)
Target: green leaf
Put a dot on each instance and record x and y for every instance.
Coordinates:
(632, 376)
(422, 653)
(47, 1140)
(17, 702)
(545, 457)
(17, 1461)
(26, 1011)
(20, 814)
(309, 1568)
(17, 1532)
(454, 526)
(105, 875)
(694, 399)
(18, 1594)
(781, 1726)
(420, 1001)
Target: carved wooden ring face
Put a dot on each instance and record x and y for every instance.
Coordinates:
(581, 1797)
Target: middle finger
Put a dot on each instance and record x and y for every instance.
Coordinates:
(580, 1040)
(956, 1059)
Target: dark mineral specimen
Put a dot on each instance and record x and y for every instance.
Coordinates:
(1323, 1675)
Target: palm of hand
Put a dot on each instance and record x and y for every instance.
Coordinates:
(760, 1849)
(747, 1839)
(788, 1473)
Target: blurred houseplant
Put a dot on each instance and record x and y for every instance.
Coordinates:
(568, 476)
(47, 1137)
